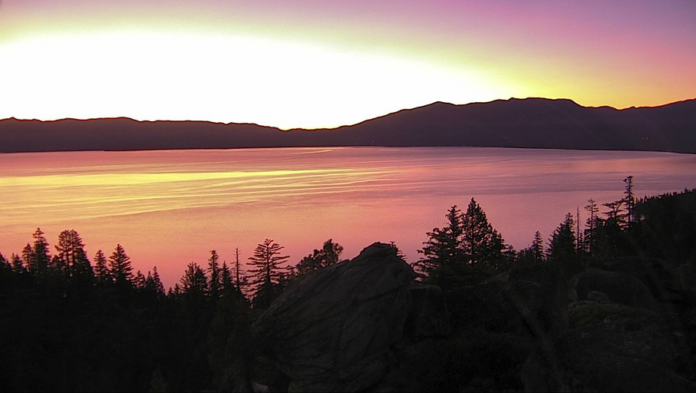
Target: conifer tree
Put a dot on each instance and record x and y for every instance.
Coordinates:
(591, 224)
(266, 271)
(120, 267)
(615, 214)
(562, 246)
(101, 270)
(482, 245)
(534, 254)
(214, 275)
(443, 250)
(17, 264)
(538, 247)
(240, 279)
(226, 278)
(194, 282)
(139, 281)
(328, 255)
(154, 283)
(29, 259)
(41, 257)
(629, 201)
(72, 258)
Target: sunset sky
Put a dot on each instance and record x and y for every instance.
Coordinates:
(301, 63)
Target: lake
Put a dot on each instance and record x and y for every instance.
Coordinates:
(168, 208)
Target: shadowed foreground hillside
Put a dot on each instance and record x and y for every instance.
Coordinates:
(520, 123)
(612, 310)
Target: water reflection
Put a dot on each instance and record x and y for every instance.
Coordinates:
(170, 207)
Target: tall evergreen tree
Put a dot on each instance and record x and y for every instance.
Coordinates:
(534, 254)
(214, 275)
(101, 270)
(562, 246)
(482, 245)
(194, 282)
(443, 250)
(615, 214)
(226, 281)
(266, 271)
(139, 281)
(17, 264)
(120, 267)
(154, 282)
(73, 259)
(42, 256)
(538, 247)
(629, 201)
(29, 259)
(591, 224)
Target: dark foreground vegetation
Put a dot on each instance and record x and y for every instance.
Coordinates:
(606, 304)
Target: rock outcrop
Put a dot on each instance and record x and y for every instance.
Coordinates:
(364, 325)
(618, 288)
(334, 330)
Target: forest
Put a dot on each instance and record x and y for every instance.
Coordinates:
(69, 322)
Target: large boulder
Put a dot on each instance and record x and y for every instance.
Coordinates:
(625, 353)
(428, 317)
(334, 329)
(619, 288)
(660, 276)
(530, 297)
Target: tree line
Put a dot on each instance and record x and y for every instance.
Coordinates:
(467, 249)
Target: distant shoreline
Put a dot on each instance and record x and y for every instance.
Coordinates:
(533, 123)
(343, 146)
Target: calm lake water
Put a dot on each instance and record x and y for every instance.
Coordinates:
(168, 208)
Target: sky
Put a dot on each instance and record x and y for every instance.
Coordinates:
(312, 63)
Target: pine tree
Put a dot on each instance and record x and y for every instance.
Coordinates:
(591, 224)
(629, 201)
(266, 271)
(101, 270)
(120, 267)
(155, 282)
(72, 258)
(29, 259)
(17, 264)
(443, 250)
(194, 281)
(214, 275)
(226, 278)
(331, 253)
(534, 254)
(562, 246)
(41, 256)
(615, 214)
(139, 281)
(538, 247)
(482, 245)
(328, 255)
(240, 279)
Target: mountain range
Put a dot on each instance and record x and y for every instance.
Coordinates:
(516, 123)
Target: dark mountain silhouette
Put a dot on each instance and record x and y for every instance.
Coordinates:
(520, 123)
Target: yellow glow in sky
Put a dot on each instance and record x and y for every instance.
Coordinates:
(222, 78)
(310, 64)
